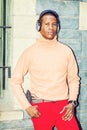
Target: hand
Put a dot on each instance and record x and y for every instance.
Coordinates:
(33, 111)
(69, 112)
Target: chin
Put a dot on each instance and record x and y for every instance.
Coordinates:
(50, 38)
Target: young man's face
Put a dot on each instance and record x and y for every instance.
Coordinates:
(49, 26)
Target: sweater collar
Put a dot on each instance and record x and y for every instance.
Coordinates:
(46, 42)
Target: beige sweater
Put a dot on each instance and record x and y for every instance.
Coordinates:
(51, 65)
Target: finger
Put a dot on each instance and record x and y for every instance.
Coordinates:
(36, 115)
(67, 116)
(70, 118)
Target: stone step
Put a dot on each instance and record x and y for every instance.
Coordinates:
(11, 115)
(25, 124)
(21, 129)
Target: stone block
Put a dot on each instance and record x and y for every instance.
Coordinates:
(83, 16)
(74, 44)
(24, 7)
(16, 125)
(83, 93)
(29, 128)
(24, 27)
(84, 126)
(64, 8)
(69, 22)
(83, 116)
(83, 108)
(69, 34)
(83, 64)
(83, 76)
(84, 43)
(11, 115)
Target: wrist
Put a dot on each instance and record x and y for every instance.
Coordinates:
(74, 102)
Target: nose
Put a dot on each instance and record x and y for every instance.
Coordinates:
(50, 26)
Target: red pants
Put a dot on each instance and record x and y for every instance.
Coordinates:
(50, 116)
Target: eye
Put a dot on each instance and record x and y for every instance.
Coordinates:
(46, 23)
(54, 24)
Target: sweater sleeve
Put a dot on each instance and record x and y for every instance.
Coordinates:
(21, 69)
(73, 78)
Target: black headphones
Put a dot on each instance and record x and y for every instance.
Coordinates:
(38, 24)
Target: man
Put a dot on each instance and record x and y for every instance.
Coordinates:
(53, 77)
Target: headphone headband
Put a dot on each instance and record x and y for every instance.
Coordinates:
(48, 11)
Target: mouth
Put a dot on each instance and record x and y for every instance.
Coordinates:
(50, 33)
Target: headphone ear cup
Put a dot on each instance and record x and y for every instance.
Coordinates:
(38, 26)
(58, 29)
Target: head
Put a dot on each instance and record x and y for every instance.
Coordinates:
(48, 24)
